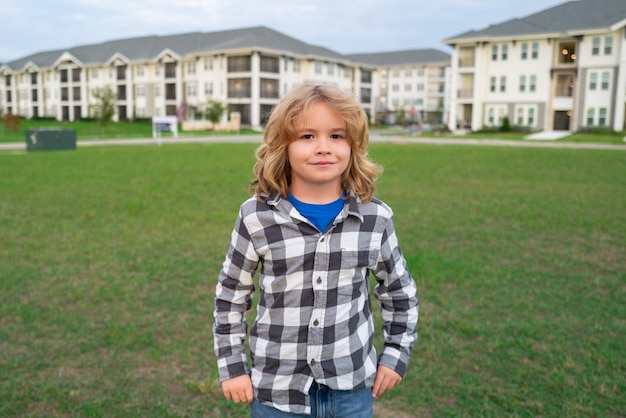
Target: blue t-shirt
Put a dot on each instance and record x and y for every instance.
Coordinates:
(319, 215)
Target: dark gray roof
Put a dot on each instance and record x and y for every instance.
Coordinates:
(577, 15)
(150, 47)
(391, 58)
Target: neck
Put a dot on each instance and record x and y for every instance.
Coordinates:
(318, 195)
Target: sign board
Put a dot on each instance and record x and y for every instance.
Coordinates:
(164, 124)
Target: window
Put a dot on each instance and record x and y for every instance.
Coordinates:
(608, 45)
(524, 51)
(318, 67)
(366, 77)
(239, 87)
(602, 116)
(420, 87)
(208, 63)
(407, 87)
(191, 68)
(593, 81)
(269, 88)
(269, 64)
(494, 52)
(420, 72)
(408, 73)
(522, 83)
(395, 88)
(170, 70)
(141, 91)
(94, 73)
(239, 64)
(191, 90)
(595, 46)
(533, 83)
(605, 80)
(525, 115)
(157, 91)
(520, 116)
(492, 84)
(535, 51)
(591, 115)
(140, 71)
(330, 68)
(503, 84)
(505, 52)
(495, 114)
(395, 74)
(208, 88)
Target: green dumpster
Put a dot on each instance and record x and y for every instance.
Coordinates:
(48, 139)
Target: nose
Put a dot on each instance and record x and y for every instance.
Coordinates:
(323, 146)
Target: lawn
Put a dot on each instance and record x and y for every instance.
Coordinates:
(90, 130)
(109, 258)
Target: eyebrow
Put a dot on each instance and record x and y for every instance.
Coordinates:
(334, 130)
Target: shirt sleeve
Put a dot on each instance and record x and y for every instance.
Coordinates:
(398, 298)
(233, 298)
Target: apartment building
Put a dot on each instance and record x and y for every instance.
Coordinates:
(563, 68)
(247, 69)
(410, 85)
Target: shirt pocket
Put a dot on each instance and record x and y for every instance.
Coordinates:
(353, 273)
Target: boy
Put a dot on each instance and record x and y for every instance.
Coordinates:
(314, 232)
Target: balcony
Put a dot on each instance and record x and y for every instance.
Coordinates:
(465, 93)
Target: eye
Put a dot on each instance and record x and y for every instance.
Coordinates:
(306, 136)
(337, 136)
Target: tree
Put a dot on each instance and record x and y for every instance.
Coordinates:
(104, 108)
(214, 111)
(506, 125)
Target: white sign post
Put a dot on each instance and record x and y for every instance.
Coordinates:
(164, 124)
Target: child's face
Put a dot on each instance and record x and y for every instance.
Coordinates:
(320, 153)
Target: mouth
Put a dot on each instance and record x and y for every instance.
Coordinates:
(323, 163)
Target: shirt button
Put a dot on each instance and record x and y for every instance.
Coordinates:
(313, 362)
(319, 280)
(322, 240)
(316, 323)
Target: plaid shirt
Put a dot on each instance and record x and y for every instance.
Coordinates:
(314, 316)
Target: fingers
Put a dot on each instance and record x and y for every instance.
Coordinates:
(386, 379)
(238, 389)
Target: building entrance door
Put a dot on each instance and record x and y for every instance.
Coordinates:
(561, 120)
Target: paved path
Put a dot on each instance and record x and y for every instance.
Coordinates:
(373, 138)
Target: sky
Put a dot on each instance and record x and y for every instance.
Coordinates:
(31, 26)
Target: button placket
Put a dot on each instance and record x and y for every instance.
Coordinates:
(319, 290)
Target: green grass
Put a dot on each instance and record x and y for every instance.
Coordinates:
(90, 130)
(109, 258)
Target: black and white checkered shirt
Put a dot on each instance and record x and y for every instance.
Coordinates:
(314, 316)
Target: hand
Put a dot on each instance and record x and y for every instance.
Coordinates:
(238, 389)
(386, 379)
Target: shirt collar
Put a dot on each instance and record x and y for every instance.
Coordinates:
(351, 208)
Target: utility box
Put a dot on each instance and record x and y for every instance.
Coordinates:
(49, 139)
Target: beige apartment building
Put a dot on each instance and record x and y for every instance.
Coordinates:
(247, 69)
(563, 68)
(411, 85)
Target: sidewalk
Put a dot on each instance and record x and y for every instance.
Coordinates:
(373, 138)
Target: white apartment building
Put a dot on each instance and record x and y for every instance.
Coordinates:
(246, 69)
(412, 84)
(560, 69)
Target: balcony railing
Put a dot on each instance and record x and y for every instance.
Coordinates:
(465, 93)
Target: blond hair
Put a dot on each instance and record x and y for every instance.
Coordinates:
(272, 170)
